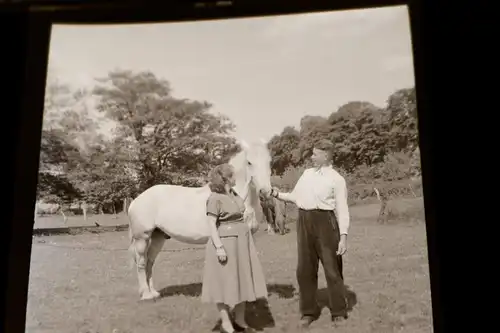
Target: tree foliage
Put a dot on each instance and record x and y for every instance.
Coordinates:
(167, 138)
(159, 138)
(402, 120)
(364, 135)
(285, 149)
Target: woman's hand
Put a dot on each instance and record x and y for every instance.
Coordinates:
(221, 254)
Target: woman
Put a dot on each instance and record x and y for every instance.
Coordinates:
(233, 274)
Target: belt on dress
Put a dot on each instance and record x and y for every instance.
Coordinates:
(232, 221)
(316, 210)
(233, 228)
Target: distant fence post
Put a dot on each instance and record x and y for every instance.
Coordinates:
(36, 212)
(84, 208)
(383, 205)
(412, 191)
(126, 203)
(61, 208)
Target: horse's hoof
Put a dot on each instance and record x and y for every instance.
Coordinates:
(148, 297)
(155, 294)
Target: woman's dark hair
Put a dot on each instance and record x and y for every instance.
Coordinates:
(219, 177)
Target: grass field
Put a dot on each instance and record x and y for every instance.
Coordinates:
(85, 283)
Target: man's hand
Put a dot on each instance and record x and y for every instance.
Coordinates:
(274, 192)
(342, 248)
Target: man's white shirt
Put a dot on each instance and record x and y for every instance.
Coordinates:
(325, 189)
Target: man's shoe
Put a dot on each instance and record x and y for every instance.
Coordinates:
(306, 320)
(338, 318)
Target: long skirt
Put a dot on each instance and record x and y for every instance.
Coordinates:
(241, 277)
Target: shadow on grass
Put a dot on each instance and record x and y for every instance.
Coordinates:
(190, 290)
(352, 298)
(194, 290)
(282, 290)
(258, 314)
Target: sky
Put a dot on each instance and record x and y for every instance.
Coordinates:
(263, 73)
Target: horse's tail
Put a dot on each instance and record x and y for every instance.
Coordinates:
(131, 248)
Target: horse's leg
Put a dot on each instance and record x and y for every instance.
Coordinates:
(141, 247)
(275, 219)
(280, 222)
(280, 211)
(269, 219)
(157, 242)
(281, 225)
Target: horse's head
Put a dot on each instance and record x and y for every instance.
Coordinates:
(258, 165)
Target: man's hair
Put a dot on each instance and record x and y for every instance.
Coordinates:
(325, 145)
(219, 177)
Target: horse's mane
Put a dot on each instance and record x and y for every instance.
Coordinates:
(238, 161)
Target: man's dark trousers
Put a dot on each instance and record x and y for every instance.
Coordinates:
(317, 239)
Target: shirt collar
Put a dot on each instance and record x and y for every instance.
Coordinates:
(322, 170)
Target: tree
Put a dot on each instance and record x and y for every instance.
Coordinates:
(373, 147)
(401, 112)
(59, 154)
(312, 129)
(105, 175)
(75, 157)
(283, 150)
(359, 133)
(171, 140)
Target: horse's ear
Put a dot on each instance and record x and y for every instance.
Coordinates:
(244, 145)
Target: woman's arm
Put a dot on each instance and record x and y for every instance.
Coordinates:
(214, 233)
(213, 213)
(220, 251)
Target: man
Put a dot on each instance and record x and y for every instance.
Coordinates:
(322, 226)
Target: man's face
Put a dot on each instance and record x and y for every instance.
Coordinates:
(319, 157)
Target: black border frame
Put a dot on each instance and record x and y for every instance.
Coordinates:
(27, 32)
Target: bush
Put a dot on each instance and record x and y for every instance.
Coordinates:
(405, 211)
(361, 193)
(360, 183)
(287, 181)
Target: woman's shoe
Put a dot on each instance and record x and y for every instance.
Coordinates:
(238, 328)
(247, 329)
(222, 330)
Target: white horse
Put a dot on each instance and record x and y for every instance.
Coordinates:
(169, 211)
